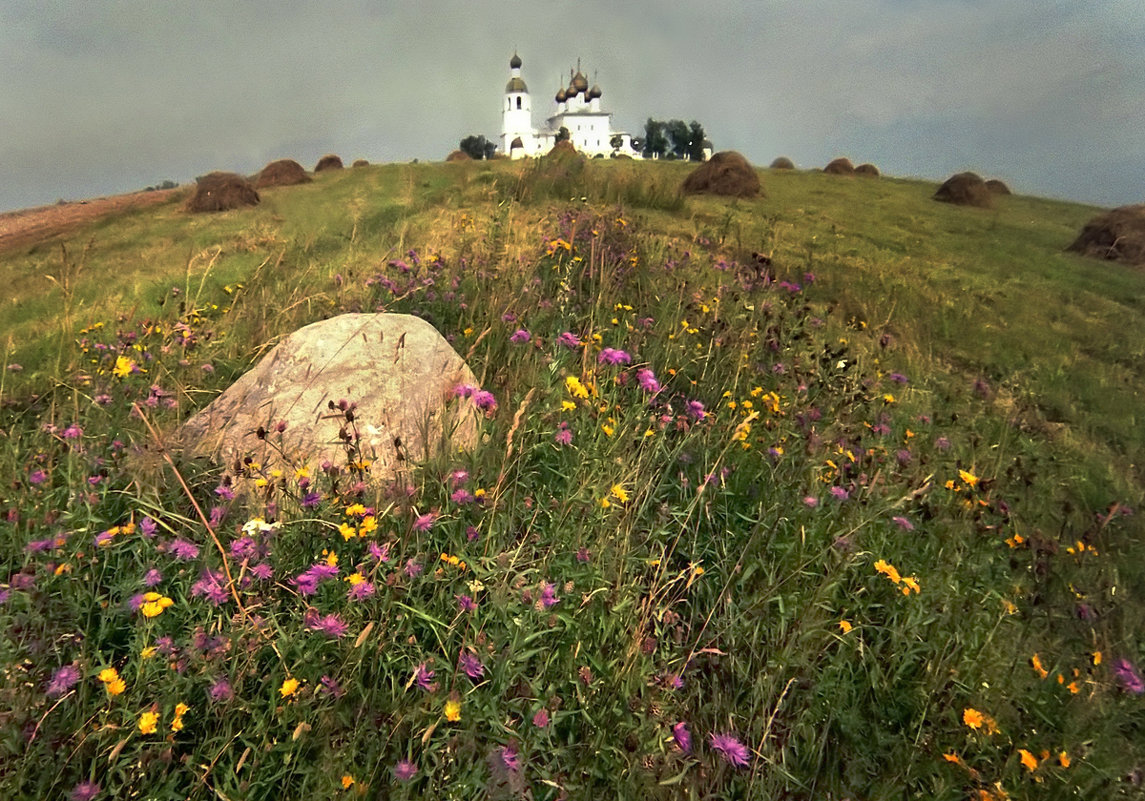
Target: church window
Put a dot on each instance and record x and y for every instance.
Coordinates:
(518, 102)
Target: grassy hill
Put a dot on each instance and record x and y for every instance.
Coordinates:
(856, 520)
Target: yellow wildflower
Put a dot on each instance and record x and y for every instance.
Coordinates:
(347, 531)
(607, 429)
(973, 718)
(347, 782)
(116, 687)
(888, 570)
(148, 652)
(969, 479)
(1029, 761)
(154, 604)
(619, 493)
(123, 367)
(1063, 759)
(910, 583)
(289, 687)
(148, 722)
(568, 406)
(369, 525)
(575, 387)
(108, 675)
(845, 626)
(1036, 664)
(452, 710)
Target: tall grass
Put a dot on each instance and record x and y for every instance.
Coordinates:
(728, 534)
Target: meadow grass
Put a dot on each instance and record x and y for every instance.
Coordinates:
(855, 524)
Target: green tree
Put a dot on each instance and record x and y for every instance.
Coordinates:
(616, 142)
(655, 139)
(563, 134)
(477, 147)
(696, 141)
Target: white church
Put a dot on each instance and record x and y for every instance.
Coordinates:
(577, 110)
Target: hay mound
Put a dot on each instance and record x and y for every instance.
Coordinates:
(867, 170)
(783, 163)
(997, 187)
(840, 166)
(965, 189)
(459, 155)
(725, 173)
(284, 172)
(562, 148)
(221, 191)
(361, 163)
(328, 162)
(1117, 235)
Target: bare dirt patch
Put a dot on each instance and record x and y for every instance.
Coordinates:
(29, 226)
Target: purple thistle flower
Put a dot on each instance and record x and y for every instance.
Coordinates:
(471, 665)
(183, 550)
(413, 569)
(135, 601)
(147, 527)
(380, 553)
(331, 687)
(225, 492)
(462, 496)
(898, 378)
(509, 758)
(942, 443)
(211, 585)
(583, 555)
(548, 594)
(37, 477)
(262, 571)
(62, 680)
(613, 356)
(569, 340)
(311, 499)
(541, 719)
(484, 400)
(72, 432)
(221, 691)
(331, 625)
(563, 435)
(405, 770)
(423, 677)
(682, 736)
(361, 591)
(903, 523)
(243, 548)
(696, 410)
(217, 515)
(520, 335)
(730, 749)
(1128, 677)
(84, 791)
(647, 380)
(840, 493)
(424, 522)
(466, 604)
(464, 390)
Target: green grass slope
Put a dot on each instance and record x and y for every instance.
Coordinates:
(854, 520)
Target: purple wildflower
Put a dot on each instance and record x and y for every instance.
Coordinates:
(183, 550)
(569, 340)
(424, 522)
(613, 356)
(331, 687)
(211, 585)
(462, 496)
(405, 770)
(37, 477)
(221, 691)
(217, 515)
(147, 527)
(583, 555)
(262, 571)
(810, 501)
(696, 409)
(331, 625)
(361, 591)
(647, 380)
(135, 601)
(839, 493)
(466, 604)
(1128, 677)
(563, 435)
(509, 758)
(730, 748)
(682, 736)
(244, 547)
(62, 680)
(484, 400)
(520, 335)
(311, 499)
(72, 432)
(225, 492)
(470, 665)
(541, 719)
(464, 390)
(942, 444)
(548, 595)
(898, 378)
(903, 523)
(413, 569)
(84, 791)
(423, 677)
(380, 553)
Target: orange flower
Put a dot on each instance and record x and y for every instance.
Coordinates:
(1036, 664)
(973, 718)
(1029, 761)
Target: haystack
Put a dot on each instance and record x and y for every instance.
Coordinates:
(459, 155)
(221, 191)
(840, 166)
(965, 189)
(564, 147)
(783, 163)
(997, 187)
(361, 163)
(725, 173)
(284, 172)
(1117, 235)
(867, 171)
(328, 162)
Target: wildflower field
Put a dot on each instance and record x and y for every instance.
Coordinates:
(827, 495)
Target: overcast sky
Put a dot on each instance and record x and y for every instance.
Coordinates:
(100, 97)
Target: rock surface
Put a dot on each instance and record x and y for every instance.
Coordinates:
(394, 372)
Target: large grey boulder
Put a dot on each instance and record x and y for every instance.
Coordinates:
(394, 373)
